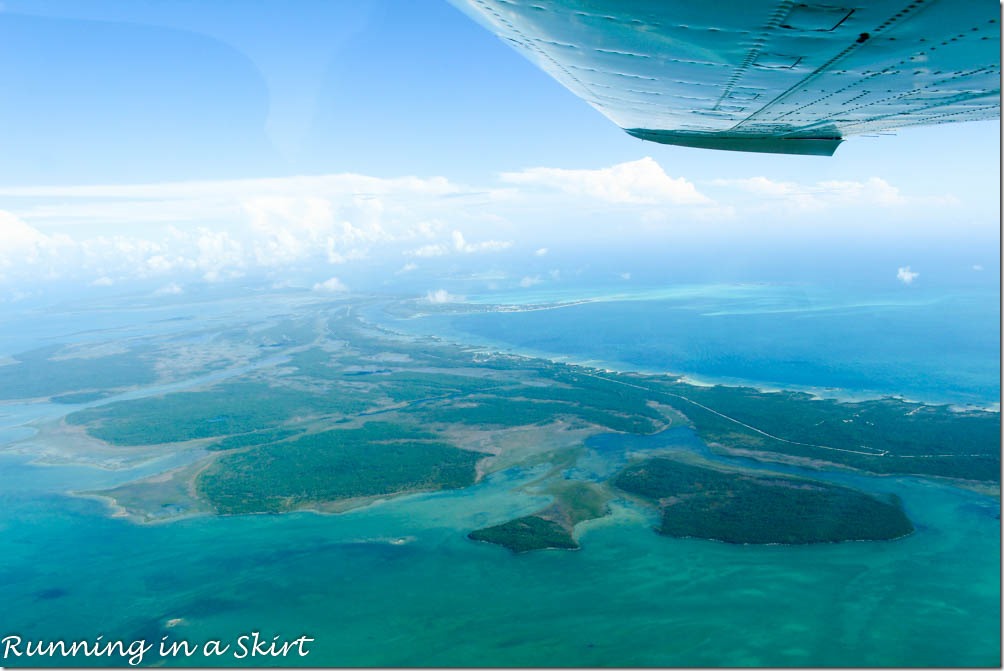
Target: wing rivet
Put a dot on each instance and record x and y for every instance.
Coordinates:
(863, 37)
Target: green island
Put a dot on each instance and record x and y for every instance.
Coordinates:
(531, 532)
(326, 411)
(552, 527)
(699, 501)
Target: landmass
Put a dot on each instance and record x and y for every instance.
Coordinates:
(377, 459)
(700, 501)
(552, 527)
(325, 410)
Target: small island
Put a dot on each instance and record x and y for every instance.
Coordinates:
(699, 501)
(523, 534)
(552, 527)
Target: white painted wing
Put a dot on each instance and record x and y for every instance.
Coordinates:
(762, 75)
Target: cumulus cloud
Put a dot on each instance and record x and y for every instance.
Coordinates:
(440, 296)
(331, 285)
(225, 229)
(103, 281)
(23, 244)
(906, 276)
(459, 245)
(212, 231)
(639, 182)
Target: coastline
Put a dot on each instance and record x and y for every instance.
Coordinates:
(496, 347)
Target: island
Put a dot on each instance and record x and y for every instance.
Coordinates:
(700, 501)
(325, 410)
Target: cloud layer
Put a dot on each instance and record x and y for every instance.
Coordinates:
(213, 231)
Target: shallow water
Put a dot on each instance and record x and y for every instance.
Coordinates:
(398, 583)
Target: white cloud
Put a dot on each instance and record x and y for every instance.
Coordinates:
(459, 245)
(407, 268)
(172, 289)
(805, 197)
(429, 250)
(440, 296)
(335, 257)
(906, 276)
(639, 182)
(875, 190)
(215, 230)
(625, 276)
(331, 285)
(528, 281)
(23, 244)
(978, 267)
(462, 245)
(103, 281)
(218, 229)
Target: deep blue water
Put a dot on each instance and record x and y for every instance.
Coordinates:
(936, 346)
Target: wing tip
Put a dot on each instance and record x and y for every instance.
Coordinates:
(804, 146)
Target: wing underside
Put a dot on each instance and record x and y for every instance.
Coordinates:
(763, 75)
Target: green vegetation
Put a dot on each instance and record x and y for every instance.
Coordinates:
(253, 438)
(701, 502)
(550, 528)
(412, 385)
(493, 411)
(378, 459)
(523, 534)
(525, 405)
(289, 437)
(37, 374)
(880, 436)
(579, 501)
(234, 408)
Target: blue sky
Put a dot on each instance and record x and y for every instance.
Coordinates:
(138, 135)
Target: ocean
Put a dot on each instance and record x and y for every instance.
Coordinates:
(937, 346)
(399, 584)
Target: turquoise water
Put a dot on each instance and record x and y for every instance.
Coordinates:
(628, 597)
(399, 584)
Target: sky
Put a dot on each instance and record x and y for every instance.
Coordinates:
(171, 144)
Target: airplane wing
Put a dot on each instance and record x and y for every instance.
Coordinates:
(762, 75)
